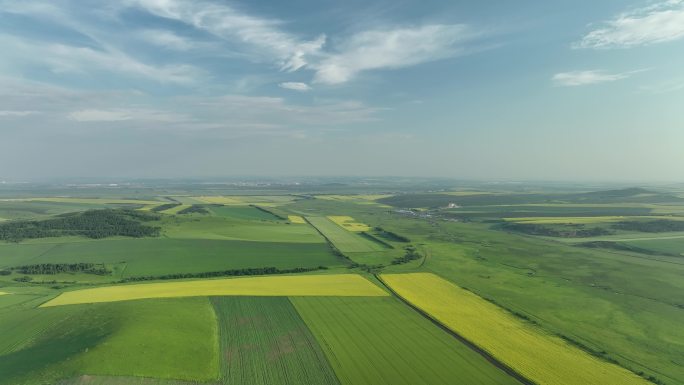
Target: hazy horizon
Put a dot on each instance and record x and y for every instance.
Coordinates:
(538, 91)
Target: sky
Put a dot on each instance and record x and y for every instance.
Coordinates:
(490, 90)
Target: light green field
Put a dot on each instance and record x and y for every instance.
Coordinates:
(379, 341)
(664, 245)
(170, 338)
(163, 338)
(265, 342)
(236, 229)
(175, 210)
(295, 285)
(159, 256)
(537, 355)
(345, 241)
(244, 200)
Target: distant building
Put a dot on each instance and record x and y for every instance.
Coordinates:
(453, 206)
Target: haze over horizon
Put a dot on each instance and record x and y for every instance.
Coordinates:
(569, 90)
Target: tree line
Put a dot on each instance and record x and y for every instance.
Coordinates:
(225, 273)
(94, 224)
(194, 209)
(56, 268)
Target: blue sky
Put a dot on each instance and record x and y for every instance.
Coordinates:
(562, 90)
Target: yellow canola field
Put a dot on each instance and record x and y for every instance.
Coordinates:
(296, 219)
(3, 293)
(350, 285)
(349, 223)
(539, 356)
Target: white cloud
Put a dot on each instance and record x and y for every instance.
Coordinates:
(583, 78)
(295, 86)
(391, 48)
(166, 39)
(264, 36)
(63, 58)
(119, 115)
(661, 22)
(16, 113)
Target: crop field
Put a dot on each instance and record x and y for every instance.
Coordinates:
(244, 200)
(160, 256)
(344, 240)
(379, 341)
(164, 339)
(247, 213)
(349, 223)
(303, 285)
(296, 219)
(539, 356)
(175, 210)
(221, 227)
(264, 341)
(673, 246)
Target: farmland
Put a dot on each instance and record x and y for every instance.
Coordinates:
(265, 341)
(306, 285)
(542, 358)
(285, 286)
(378, 341)
(342, 239)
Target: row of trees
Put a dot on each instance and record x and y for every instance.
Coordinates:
(657, 226)
(56, 268)
(411, 255)
(225, 273)
(194, 209)
(391, 235)
(575, 231)
(92, 224)
(163, 207)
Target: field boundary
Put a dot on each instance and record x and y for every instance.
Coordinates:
(486, 355)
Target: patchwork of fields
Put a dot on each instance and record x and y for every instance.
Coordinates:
(549, 309)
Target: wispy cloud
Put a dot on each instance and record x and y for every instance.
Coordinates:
(392, 48)
(166, 39)
(657, 23)
(126, 114)
(583, 78)
(295, 86)
(16, 113)
(263, 36)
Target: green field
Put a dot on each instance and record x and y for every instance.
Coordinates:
(159, 256)
(378, 341)
(171, 338)
(674, 246)
(264, 341)
(344, 240)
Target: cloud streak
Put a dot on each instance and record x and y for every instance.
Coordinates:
(658, 23)
(295, 86)
(390, 49)
(583, 78)
(265, 37)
